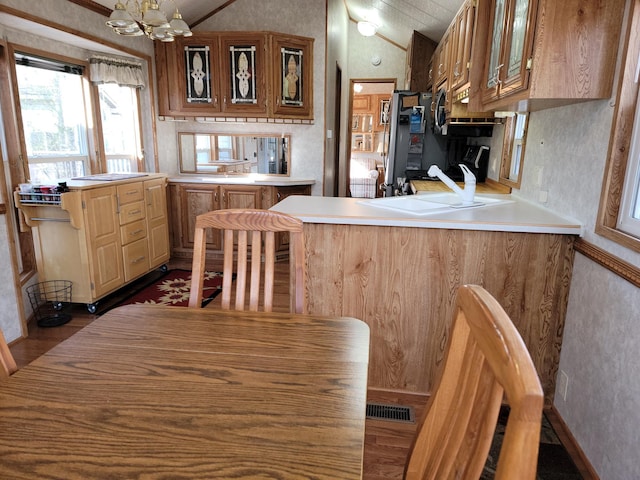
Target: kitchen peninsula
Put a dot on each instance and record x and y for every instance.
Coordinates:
(400, 273)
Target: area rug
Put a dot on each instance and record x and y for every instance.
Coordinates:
(173, 289)
(554, 462)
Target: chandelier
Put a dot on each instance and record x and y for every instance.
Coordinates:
(135, 18)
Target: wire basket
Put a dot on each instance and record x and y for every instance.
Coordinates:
(50, 300)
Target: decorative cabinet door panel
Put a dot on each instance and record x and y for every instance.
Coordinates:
(510, 46)
(241, 196)
(243, 73)
(195, 200)
(462, 45)
(293, 76)
(103, 238)
(199, 72)
(155, 192)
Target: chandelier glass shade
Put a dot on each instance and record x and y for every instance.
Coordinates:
(135, 18)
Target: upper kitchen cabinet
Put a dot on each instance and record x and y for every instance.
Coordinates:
(189, 75)
(418, 70)
(244, 73)
(536, 54)
(461, 41)
(236, 74)
(292, 76)
(441, 58)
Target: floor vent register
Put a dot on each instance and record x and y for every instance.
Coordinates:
(394, 413)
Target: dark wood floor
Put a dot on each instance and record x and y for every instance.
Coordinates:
(386, 442)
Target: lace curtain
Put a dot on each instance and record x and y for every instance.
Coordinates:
(116, 70)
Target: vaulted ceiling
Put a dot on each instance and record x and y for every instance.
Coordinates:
(396, 19)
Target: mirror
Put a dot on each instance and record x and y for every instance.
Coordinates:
(515, 139)
(217, 153)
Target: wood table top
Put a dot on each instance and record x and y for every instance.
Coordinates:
(167, 392)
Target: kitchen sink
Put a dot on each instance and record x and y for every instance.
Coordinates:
(427, 203)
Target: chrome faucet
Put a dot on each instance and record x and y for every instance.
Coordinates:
(469, 182)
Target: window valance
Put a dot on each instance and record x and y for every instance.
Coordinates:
(116, 70)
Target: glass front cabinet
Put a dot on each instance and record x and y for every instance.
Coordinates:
(509, 48)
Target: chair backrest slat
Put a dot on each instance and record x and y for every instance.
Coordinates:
(254, 265)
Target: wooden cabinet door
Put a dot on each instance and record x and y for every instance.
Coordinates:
(510, 48)
(155, 192)
(461, 46)
(198, 75)
(292, 82)
(362, 103)
(519, 46)
(194, 200)
(244, 73)
(442, 56)
(103, 239)
(241, 196)
(189, 75)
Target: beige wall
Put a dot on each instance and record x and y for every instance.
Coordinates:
(564, 161)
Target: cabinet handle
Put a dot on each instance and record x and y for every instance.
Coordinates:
(136, 232)
(134, 212)
(278, 196)
(498, 81)
(138, 260)
(117, 204)
(456, 69)
(132, 192)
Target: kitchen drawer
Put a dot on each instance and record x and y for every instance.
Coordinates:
(130, 192)
(131, 212)
(133, 231)
(136, 259)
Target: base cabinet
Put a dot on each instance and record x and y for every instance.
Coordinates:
(100, 236)
(188, 200)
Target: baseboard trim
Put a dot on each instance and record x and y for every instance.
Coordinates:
(571, 444)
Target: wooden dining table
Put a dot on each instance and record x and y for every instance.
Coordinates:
(153, 392)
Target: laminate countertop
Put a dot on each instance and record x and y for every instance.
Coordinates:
(513, 215)
(242, 179)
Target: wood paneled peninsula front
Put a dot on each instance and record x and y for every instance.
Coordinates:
(400, 273)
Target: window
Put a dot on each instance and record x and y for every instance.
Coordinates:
(120, 128)
(515, 136)
(629, 216)
(53, 118)
(619, 213)
(214, 148)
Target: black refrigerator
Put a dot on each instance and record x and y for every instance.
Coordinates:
(412, 147)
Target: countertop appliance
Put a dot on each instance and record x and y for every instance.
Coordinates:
(413, 147)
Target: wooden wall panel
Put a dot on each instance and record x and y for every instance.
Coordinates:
(403, 283)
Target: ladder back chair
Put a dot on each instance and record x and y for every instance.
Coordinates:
(486, 358)
(6, 358)
(256, 228)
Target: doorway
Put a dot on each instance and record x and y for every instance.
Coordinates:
(367, 135)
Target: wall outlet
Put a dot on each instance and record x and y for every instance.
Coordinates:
(563, 384)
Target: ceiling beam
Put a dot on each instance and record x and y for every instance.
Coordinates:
(91, 5)
(212, 13)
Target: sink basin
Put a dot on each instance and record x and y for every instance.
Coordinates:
(427, 203)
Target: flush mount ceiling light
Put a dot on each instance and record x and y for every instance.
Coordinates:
(135, 18)
(367, 29)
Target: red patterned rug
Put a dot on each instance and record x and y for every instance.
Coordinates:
(173, 289)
